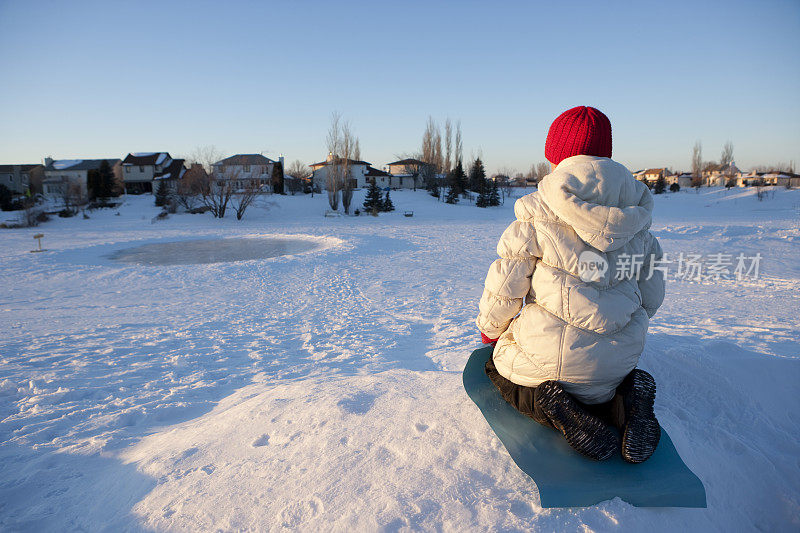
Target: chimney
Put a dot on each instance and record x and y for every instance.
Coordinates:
(48, 160)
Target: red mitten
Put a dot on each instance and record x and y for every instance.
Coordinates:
(487, 340)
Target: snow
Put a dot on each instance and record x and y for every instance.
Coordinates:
(62, 164)
(144, 154)
(161, 157)
(322, 390)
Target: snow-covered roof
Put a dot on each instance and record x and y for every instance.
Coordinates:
(175, 170)
(79, 164)
(351, 162)
(244, 159)
(145, 158)
(409, 161)
(372, 171)
(62, 164)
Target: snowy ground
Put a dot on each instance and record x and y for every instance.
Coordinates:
(322, 391)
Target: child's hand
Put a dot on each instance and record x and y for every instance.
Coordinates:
(487, 340)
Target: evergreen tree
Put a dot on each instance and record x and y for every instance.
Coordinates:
(93, 183)
(494, 195)
(452, 196)
(477, 176)
(483, 195)
(106, 183)
(387, 204)
(661, 185)
(373, 201)
(457, 179)
(434, 189)
(5, 198)
(162, 193)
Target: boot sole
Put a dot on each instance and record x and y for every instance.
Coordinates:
(641, 432)
(585, 433)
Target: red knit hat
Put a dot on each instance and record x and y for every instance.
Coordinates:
(579, 131)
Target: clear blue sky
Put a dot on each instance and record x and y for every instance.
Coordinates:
(101, 79)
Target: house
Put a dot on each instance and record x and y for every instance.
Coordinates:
(714, 175)
(21, 178)
(750, 179)
(650, 176)
(357, 171)
(683, 179)
(171, 174)
(70, 177)
(142, 170)
(382, 179)
(251, 170)
(782, 179)
(406, 173)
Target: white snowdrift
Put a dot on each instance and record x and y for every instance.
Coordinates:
(322, 391)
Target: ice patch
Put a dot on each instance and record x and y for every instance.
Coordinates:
(207, 251)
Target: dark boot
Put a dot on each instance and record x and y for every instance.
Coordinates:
(640, 429)
(585, 433)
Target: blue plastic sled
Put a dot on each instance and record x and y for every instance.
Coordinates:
(567, 479)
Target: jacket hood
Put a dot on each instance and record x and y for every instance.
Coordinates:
(599, 198)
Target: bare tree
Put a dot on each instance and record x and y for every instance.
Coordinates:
(205, 156)
(777, 167)
(428, 151)
(216, 192)
(349, 145)
(357, 150)
(30, 212)
(71, 196)
(242, 198)
(438, 156)
(727, 154)
(542, 170)
(448, 145)
(216, 187)
(298, 174)
(189, 188)
(332, 170)
(503, 180)
(459, 145)
(342, 145)
(697, 164)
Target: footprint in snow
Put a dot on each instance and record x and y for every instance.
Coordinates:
(263, 440)
(208, 469)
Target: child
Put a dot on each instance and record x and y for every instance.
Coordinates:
(567, 312)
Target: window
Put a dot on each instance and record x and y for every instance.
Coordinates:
(247, 168)
(128, 170)
(141, 168)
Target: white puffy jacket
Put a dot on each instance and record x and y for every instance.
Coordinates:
(557, 317)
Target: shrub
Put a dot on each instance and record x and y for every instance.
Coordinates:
(674, 187)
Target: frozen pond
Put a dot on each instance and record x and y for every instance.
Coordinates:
(204, 251)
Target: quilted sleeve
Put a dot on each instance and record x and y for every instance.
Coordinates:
(651, 279)
(509, 278)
